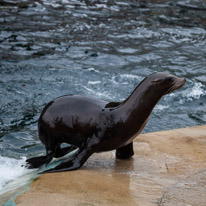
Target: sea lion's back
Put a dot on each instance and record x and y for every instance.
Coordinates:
(71, 110)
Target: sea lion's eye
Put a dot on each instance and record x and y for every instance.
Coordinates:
(169, 79)
(156, 80)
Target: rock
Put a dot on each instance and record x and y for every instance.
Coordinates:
(168, 168)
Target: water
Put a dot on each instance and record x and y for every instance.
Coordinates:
(97, 48)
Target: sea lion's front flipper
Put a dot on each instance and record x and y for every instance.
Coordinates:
(72, 163)
(37, 162)
(125, 152)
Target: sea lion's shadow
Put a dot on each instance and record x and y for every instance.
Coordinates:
(98, 163)
(110, 164)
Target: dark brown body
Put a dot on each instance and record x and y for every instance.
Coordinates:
(94, 125)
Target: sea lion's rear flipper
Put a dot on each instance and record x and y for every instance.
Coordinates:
(72, 163)
(60, 152)
(37, 162)
(125, 152)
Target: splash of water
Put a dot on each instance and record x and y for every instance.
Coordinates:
(195, 92)
(10, 170)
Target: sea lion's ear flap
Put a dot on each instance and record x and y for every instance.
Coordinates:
(112, 104)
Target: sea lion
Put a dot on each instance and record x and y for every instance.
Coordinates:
(93, 125)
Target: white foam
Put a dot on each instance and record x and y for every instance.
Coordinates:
(91, 69)
(195, 92)
(10, 170)
(129, 76)
(13, 176)
(94, 82)
(101, 95)
(161, 107)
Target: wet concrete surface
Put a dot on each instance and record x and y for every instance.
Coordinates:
(168, 168)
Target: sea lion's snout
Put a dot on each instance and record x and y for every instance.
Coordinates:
(180, 82)
(176, 84)
(183, 81)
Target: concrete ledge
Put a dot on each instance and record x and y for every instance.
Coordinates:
(168, 169)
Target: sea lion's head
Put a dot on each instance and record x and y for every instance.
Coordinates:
(165, 83)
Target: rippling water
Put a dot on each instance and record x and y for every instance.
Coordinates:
(97, 48)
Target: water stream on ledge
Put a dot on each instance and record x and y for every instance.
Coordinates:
(98, 48)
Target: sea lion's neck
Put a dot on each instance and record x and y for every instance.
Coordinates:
(139, 105)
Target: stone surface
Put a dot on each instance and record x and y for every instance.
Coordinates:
(168, 168)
